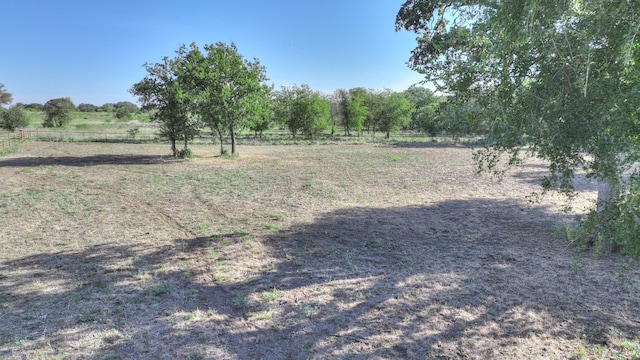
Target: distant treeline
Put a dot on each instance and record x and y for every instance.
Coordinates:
(83, 107)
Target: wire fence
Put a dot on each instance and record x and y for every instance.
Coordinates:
(52, 135)
(10, 140)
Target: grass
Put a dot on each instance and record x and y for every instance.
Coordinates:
(272, 295)
(261, 315)
(314, 251)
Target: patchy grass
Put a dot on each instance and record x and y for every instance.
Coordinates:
(316, 251)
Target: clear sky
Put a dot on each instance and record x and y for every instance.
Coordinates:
(93, 51)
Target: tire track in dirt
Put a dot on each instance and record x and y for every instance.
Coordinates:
(150, 208)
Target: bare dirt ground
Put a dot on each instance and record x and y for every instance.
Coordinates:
(115, 251)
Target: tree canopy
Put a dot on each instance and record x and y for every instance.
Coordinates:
(217, 87)
(14, 118)
(302, 110)
(225, 87)
(161, 90)
(390, 112)
(559, 76)
(5, 96)
(58, 112)
(355, 110)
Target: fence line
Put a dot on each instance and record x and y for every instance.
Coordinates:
(38, 134)
(6, 145)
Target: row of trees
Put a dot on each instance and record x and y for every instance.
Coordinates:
(301, 110)
(217, 89)
(109, 107)
(57, 111)
(84, 107)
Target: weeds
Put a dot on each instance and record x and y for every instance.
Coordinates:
(262, 315)
(240, 302)
(159, 290)
(272, 295)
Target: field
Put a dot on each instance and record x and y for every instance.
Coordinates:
(116, 251)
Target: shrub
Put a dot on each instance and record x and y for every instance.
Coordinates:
(123, 114)
(13, 118)
(58, 112)
(617, 226)
(133, 132)
(185, 154)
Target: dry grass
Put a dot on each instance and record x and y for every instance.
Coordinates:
(115, 251)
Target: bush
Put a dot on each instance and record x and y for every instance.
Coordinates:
(14, 118)
(185, 154)
(617, 226)
(133, 132)
(58, 112)
(123, 114)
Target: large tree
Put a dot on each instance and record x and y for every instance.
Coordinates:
(58, 112)
(558, 76)
(225, 87)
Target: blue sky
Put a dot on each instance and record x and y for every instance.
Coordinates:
(94, 51)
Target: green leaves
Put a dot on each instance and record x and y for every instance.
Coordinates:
(224, 85)
(215, 88)
(559, 76)
(58, 112)
(302, 110)
(5, 96)
(13, 118)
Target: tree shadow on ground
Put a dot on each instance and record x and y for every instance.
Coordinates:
(81, 161)
(458, 279)
(430, 144)
(533, 174)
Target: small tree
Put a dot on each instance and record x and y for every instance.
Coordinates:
(14, 118)
(259, 113)
(162, 91)
(424, 117)
(309, 112)
(58, 112)
(107, 107)
(393, 113)
(282, 101)
(302, 110)
(355, 110)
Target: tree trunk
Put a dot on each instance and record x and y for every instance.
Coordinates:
(173, 148)
(233, 139)
(607, 193)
